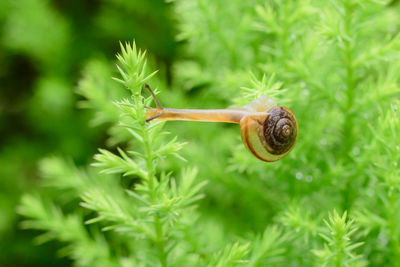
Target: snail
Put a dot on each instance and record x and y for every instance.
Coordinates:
(268, 131)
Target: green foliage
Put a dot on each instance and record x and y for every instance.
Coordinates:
(43, 46)
(133, 69)
(190, 194)
(152, 213)
(338, 250)
(82, 248)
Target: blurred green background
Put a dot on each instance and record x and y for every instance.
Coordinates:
(44, 45)
(337, 63)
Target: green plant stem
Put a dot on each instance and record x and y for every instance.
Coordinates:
(350, 83)
(151, 181)
(348, 140)
(392, 225)
(339, 253)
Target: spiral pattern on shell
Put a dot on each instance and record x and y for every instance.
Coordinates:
(280, 130)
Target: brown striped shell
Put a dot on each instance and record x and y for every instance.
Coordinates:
(270, 135)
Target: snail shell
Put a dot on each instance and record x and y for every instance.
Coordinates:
(270, 135)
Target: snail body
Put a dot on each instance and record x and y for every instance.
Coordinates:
(268, 131)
